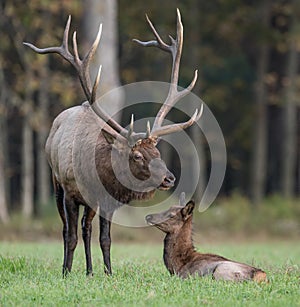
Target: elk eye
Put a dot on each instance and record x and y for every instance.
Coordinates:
(137, 156)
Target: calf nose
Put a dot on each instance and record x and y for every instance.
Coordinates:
(148, 217)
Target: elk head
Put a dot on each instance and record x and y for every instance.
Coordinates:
(141, 159)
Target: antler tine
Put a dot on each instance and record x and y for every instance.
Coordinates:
(87, 59)
(148, 130)
(66, 34)
(175, 48)
(94, 46)
(83, 75)
(174, 95)
(154, 43)
(130, 131)
(131, 136)
(62, 50)
(96, 83)
(168, 129)
(82, 68)
(159, 42)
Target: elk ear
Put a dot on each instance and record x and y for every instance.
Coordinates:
(109, 137)
(187, 211)
(117, 143)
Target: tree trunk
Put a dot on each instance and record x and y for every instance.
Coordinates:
(289, 153)
(43, 182)
(3, 195)
(105, 12)
(195, 62)
(259, 155)
(27, 155)
(3, 203)
(4, 218)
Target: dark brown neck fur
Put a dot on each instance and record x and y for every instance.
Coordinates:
(109, 180)
(179, 248)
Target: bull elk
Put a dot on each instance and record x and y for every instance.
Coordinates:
(96, 130)
(180, 256)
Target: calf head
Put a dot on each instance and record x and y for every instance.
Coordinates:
(173, 219)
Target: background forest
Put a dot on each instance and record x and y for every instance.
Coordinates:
(247, 54)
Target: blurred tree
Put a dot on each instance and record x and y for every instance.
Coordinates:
(105, 12)
(259, 154)
(27, 157)
(26, 75)
(194, 60)
(289, 154)
(4, 218)
(27, 109)
(43, 176)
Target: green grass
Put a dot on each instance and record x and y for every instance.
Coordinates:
(30, 275)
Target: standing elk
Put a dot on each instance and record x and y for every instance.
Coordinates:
(180, 256)
(96, 130)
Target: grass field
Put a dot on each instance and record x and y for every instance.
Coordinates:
(30, 275)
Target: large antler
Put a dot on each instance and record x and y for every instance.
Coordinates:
(82, 68)
(175, 48)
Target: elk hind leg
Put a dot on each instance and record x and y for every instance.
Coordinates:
(71, 209)
(59, 195)
(86, 224)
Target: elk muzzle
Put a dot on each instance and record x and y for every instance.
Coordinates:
(168, 181)
(162, 178)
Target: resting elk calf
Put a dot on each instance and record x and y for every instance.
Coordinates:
(89, 128)
(180, 256)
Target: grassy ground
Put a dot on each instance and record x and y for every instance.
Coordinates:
(30, 275)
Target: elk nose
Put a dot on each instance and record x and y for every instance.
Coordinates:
(168, 181)
(170, 178)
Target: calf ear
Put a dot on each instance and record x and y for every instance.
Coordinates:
(187, 211)
(182, 199)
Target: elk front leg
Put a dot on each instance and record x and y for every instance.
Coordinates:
(105, 240)
(86, 224)
(71, 211)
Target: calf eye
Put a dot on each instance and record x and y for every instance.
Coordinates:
(172, 214)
